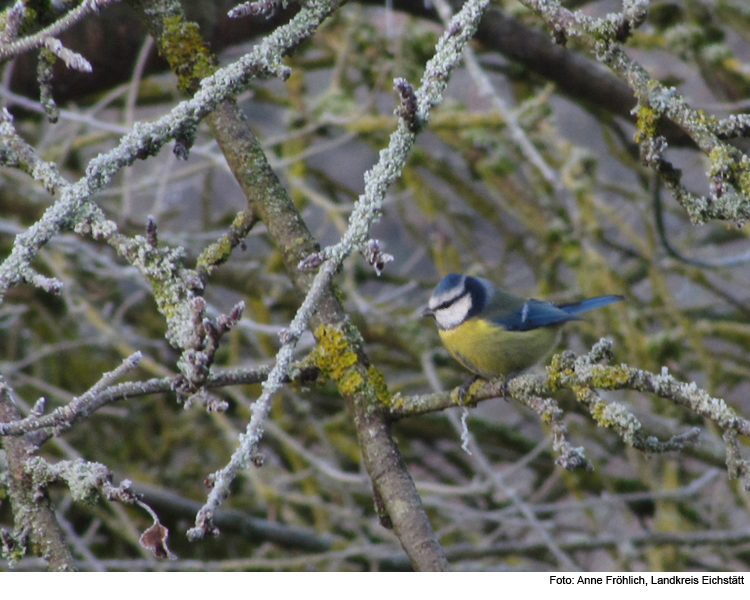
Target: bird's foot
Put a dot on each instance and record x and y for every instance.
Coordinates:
(504, 388)
(463, 391)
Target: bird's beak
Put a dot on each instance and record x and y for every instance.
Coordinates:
(428, 312)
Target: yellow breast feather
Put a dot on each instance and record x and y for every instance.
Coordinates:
(490, 350)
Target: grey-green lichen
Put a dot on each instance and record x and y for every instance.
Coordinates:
(614, 415)
(171, 282)
(84, 479)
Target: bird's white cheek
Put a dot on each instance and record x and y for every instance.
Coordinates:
(455, 314)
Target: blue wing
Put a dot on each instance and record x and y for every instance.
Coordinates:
(536, 313)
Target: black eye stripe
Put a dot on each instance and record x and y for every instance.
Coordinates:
(452, 301)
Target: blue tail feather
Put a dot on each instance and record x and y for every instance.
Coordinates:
(573, 308)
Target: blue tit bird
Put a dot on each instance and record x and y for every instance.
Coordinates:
(494, 333)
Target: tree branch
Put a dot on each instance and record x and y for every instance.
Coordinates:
(32, 509)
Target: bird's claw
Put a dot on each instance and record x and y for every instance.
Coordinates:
(463, 391)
